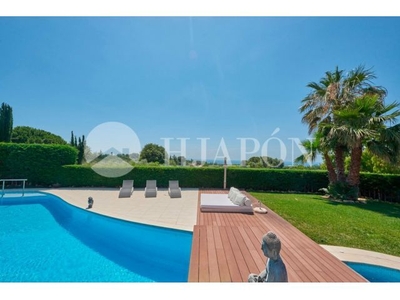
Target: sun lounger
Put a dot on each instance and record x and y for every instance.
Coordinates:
(232, 202)
(126, 189)
(174, 190)
(151, 188)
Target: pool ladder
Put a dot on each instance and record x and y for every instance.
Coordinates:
(4, 181)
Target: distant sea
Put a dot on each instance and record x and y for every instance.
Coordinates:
(221, 161)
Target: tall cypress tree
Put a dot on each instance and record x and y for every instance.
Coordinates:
(6, 123)
(79, 143)
(72, 139)
(81, 148)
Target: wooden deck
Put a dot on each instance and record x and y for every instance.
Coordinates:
(227, 248)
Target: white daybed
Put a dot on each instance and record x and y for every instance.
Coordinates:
(232, 202)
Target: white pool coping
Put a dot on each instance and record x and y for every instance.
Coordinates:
(364, 256)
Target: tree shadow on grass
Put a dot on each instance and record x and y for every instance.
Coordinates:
(384, 208)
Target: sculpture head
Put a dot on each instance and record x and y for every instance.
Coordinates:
(271, 245)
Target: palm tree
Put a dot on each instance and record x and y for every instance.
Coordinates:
(334, 92)
(318, 106)
(361, 124)
(314, 147)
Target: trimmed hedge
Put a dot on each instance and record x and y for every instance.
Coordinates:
(377, 186)
(384, 187)
(79, 176)
(46, 165)
(210, 177)
(305, 181)
(39, 163)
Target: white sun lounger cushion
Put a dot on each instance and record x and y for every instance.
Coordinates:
(247, 202)
(231, 192)
(241, 200)
(238, 199)
(221, 203)
(235, 193)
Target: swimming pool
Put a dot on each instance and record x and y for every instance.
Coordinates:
(374, 273)
(45, 239)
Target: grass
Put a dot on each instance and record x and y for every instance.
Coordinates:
(373, 226)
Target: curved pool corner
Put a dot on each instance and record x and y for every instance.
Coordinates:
(373, 266)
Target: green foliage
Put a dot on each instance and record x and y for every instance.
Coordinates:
(385, 187)
(373, 164)
(39, 164)
(373, 226)
(6, 122)
(342, 191)
(210, 177)
(153, 153)
(306, 181)
(80, 145)
(44, 165)
(29, 135)
(178, 161)
(83, 175)
(264, 162)
(350, 115)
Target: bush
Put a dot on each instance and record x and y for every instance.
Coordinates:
(342, 191)
(30, 135)
(78, 176)
(210, 177)
(153, 153)
(45, 165)
(384, 187)
(305, 181)
(37, 163)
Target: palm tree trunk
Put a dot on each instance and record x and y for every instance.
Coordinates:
(339, 156)
(353, 179)
(331, 170)
(355, 165)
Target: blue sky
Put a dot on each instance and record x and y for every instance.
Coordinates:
(186, 77)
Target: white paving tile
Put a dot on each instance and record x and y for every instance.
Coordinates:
(178, 213)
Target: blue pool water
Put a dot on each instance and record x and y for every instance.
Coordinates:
(44, 239)
(374, 273)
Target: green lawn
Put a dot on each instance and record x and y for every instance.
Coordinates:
(371, 226)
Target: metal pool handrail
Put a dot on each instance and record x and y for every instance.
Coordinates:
(23, 184)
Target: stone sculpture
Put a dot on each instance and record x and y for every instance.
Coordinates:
(90, 203)
(275, 269)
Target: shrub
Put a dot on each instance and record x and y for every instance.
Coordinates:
(39, 163)
(306, 181)
(77, 175)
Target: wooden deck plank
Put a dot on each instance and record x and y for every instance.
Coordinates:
(194, 256)
(204, 275)
(227, 248)
(238, 255)
(255, 241)
(246, 248)
(222, 263)
(212, 256)
(230, 257)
